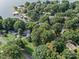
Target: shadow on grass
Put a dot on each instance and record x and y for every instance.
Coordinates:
(28, 50)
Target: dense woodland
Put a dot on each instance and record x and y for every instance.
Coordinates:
(53, 31)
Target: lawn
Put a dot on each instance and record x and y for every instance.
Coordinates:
(29, 47)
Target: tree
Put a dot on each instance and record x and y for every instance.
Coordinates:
(19, 24)
(31, 6)
(44, 18)
(20, 42)
(27, 4)
(67, 54)
(42, 34)
(34, 15)
(72, 24)
(1, 17)
(43, 52)
(77, 53)
(77, 6)
(1, 27)
(72, 5)
(30, 25)
(59, 45)
(8, 23)
(71, 35)
(57, 19)
(70, 13)
(64, 5)
(57, 27)
(20, 31)
(10, 52)
(51, 7)
(16, 8)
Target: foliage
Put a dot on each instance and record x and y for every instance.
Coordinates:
(66, 54)
(72, 24)
(59, 45)
(19, 24)
(10, 52)
(43, 52)
(51, 23)
(1, 27)
(71, 35)
(42, 35)
(8, 23)
(57, 27)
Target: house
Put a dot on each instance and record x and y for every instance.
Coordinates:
(26, 33)
(72, 46)
(15, 13)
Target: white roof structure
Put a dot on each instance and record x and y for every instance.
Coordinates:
(15, 13)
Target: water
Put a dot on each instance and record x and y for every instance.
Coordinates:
(6, 6)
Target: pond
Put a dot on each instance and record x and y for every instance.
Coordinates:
(6, 6)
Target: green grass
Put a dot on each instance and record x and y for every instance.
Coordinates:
(29, 46)
(9, 37)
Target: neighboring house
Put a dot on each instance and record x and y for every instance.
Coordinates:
(15, 13)
(72, 46)
(26, 33)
